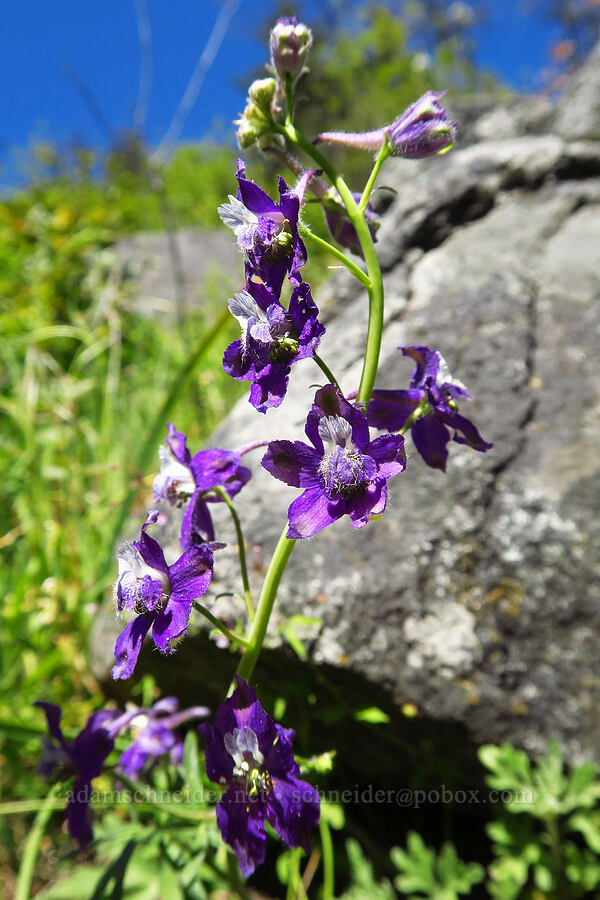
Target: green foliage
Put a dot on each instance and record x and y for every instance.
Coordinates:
(546, 811)
(363, 882)
(439, 877)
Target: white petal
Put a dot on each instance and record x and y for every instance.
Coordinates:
(235, 215)
(335, 430)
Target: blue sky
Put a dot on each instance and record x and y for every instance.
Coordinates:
(98, 40)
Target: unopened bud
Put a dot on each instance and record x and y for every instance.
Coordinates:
(290, 43)
(262, 94)
(423, 130)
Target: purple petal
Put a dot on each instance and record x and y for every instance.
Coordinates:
(388, 452)
(151, 551)
(292, 462)
(427, 364)
(78, 817)
(172, 622)
(312, 511)
(389, 410)
(196, 523)
(241, 824)
(177, 444)
(269, 388)
(470, 434)
(293, 810)
(128, 646)
(53, 715)
(190, 576)
(219, 764)
(431, 437)
(369, 502)
(252, 196)
(212, 468)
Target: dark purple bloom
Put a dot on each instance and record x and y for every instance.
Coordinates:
(344, 472)
(184, 478)
(266, 231)
(423, 130)
(433, 389)
(156, 732)
(252, 754)
(273, 338)
(81, 759)
(159, 595)
(290, 42)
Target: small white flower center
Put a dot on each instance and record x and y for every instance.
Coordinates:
(335, 431)
(237, 216)
(180, 478)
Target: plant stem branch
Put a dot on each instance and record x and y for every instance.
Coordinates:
(381, 158)
(327, 371)
(231, 635)
(325, 245)
(375, 327)
(241, 549)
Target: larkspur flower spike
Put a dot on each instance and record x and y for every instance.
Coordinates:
(251, 754)
(343, 473)
(424, 129)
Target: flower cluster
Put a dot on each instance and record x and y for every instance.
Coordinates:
(82, 759)
(251, 754)
(273, 336)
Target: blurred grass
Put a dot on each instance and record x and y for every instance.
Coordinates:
(86, 389)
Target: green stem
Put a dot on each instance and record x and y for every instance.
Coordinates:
(231, 635)
(265, 604)
(328, 861)
(32, 846)
(327, 371)
(422, 410)
(325, 245)
(375, 327)
(381, 158)
(241, 549)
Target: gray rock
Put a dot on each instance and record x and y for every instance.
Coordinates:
(477, 596)
(578, 115)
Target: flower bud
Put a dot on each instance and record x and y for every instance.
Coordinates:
(290, 42)
(252, 125)
(261, 93)
(423, 130)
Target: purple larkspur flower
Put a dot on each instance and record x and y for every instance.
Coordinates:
(156, 731)
(81, 759)
(273, 338)
(344, 472)
(159, 595)
(266, 231)
(252, 754)
(184, 478)
(434, 390)
(424, 129)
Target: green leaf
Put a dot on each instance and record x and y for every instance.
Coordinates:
(333, 813)
(190, 768)
(372, 714)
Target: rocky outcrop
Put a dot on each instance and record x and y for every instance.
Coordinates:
(476, 597)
